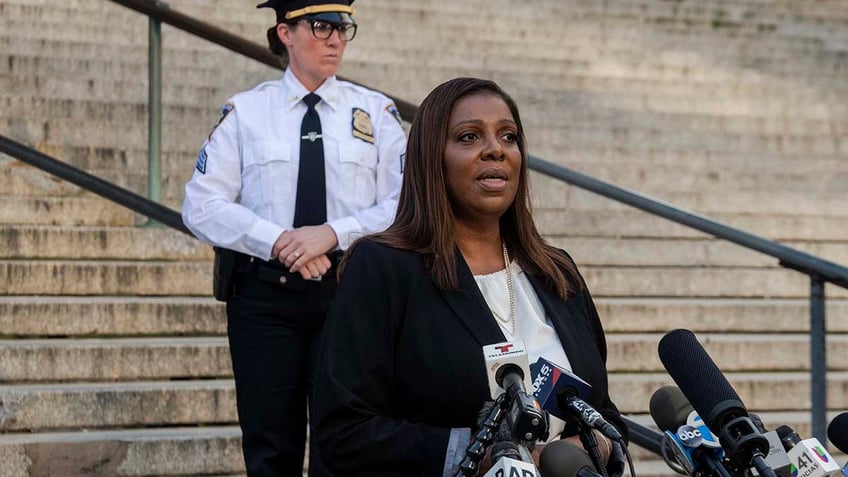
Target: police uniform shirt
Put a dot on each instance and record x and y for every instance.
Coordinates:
(242, 194)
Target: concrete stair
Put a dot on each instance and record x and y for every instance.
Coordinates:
(113, 356)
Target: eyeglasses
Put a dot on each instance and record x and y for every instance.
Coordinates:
(323, 30)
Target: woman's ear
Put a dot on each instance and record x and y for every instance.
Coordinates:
(284, 34)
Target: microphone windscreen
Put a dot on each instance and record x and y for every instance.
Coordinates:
(669, 408)
(837, 432)
(697, 375)
(561, 458)
(503, 449)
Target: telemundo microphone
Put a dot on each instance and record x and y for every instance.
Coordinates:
(559, 391)
(563, 459)
(709, 392)
(809, 458)
(508, 371)
(695, 448)
(837, 432)
(507, 461)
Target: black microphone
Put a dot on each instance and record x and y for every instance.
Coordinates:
(716, 401)
(563, 459)
(507, 461)
(566, 399)
(812, 459)
(695, 448)
(837, 432)
(508, 369)
(559, 393)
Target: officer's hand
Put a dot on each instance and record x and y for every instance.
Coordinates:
(315, 268)
(295, 248)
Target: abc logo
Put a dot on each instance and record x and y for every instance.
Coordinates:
(690, 436)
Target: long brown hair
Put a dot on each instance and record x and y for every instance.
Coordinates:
(425, 222)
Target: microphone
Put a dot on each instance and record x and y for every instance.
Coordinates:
(563, 459)
(837, 432)
(549, 380)
(777, 457)
(507, 461)
(508, 370)
(558, 391)
(695, 448)
(716, 401)
(808, 456)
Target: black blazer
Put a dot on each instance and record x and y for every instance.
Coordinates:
(402, 362)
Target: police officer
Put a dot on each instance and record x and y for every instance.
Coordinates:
(293, 172)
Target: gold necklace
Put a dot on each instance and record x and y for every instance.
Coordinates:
(510, 288)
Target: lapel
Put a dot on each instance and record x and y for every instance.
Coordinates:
(566, 318)
(470, 307)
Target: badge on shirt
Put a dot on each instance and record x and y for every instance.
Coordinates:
(201, 160)
(362, 127)
(227, 109)
(393, 110)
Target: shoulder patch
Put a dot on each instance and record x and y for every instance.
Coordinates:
(362, 127)
(227, 109)
(201, 160)
(393, 110)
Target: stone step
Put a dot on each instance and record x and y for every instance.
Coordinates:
(93, 316)
(112, 359)
(87, 209)
(712, 315)
(760, 391)
(676, 252)
(163, 243)
(65, 406)
(49, 277)
(560, 131)
(109, 243)
(106, 278)
(46, 407)
(731, 352)
(708, 202)
(631, 222)
(25, 104)
(651, 179)
(105, 134)
(70, 316)
(177, 451)
(36, 361)
(704, 282)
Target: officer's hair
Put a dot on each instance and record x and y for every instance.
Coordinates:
(276, 46)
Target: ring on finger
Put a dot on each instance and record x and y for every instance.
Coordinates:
(296, 254)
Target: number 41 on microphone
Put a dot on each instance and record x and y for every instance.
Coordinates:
(809, 459)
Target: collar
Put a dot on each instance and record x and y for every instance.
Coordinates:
(294, 91)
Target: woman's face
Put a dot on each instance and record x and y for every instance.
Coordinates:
(311, 60)
(482, 160)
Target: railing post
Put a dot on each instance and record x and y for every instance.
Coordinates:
(818, 358)
(154, 111)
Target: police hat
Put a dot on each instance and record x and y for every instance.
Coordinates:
(333, 11)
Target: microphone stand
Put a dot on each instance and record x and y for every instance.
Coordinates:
(476, 450)
(590, 443)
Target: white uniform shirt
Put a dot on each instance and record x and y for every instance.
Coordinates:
(242, 194)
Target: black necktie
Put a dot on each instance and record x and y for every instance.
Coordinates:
(311, 203)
